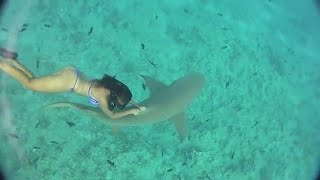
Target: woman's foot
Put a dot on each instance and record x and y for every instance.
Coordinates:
(8, 54)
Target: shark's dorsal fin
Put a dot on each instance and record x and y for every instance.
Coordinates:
(180, 124)
(153, 84)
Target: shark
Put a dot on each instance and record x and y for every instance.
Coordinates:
(165, 102)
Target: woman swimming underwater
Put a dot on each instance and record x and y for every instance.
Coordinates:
(107, 93)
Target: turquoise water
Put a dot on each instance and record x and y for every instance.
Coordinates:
(256, 118)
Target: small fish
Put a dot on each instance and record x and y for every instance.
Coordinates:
(54, 142)
(4, 29)
(25, 25)
(36, 147)
(143, 86)
(169, 170)
(143, 45)
(22, 29)
(254, 74)
(71, 124)
(224, 47)
(219, 14)
(152, 63)
(224, 28)
(111, 163)
(232, 155)
(238, 109)
(90, 30)
(37, 125)
(227, 84)
(47, 25)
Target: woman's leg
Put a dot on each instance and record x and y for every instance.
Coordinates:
(58, 82)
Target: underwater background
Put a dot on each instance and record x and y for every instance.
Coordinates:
(256, 118)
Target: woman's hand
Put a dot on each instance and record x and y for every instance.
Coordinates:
(136, 111)
(142, 108)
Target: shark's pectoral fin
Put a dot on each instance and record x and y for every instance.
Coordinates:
(180, 124)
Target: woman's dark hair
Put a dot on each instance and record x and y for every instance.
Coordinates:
(118, 88)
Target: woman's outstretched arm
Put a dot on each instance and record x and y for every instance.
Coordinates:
(17, 64)
(115, 115)
(16, 73)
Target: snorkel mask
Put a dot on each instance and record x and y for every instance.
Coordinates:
(113, 102)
